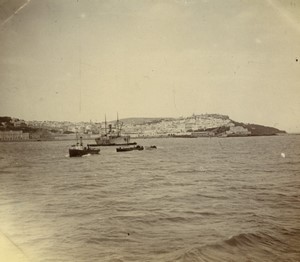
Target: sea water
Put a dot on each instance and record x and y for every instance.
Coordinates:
(199, 199)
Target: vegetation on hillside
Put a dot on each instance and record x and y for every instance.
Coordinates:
(259, 130)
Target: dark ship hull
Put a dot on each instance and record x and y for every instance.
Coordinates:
(81, 152)
(126, 149)
(113, 140)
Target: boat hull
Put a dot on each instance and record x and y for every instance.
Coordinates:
(82, 152)
(113, 140)
(129, 144)
(127, 149)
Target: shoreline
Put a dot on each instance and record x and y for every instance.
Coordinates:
(151, 137)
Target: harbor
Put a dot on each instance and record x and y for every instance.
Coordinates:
(149, 131)
(189, 197)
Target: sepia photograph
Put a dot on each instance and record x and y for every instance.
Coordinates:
(149, 130)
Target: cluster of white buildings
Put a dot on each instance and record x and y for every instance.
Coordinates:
(196, 124)
(66, 126)
(13, 136)
(237, 130)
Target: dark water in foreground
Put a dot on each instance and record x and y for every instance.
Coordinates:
(233, 199)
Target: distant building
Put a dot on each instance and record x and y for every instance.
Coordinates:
(18, 123)
(41, 134)
(238, 130)
(13, 136)
(203, 134)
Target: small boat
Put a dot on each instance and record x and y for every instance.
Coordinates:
(126, 149)
(150, 147)
(79, 150)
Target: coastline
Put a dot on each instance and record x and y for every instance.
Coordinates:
(58, 139)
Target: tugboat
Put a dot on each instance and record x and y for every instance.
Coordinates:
(79, 150)
(113, 136)
(126, 149)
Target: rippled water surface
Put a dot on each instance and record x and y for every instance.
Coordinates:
(233, 199)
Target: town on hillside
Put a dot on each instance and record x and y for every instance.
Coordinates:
(203, 125)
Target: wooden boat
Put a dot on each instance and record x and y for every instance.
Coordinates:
(79, 150)
(125, 144)
(150, 147)
(126, 149)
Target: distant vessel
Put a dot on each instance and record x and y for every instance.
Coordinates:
(151, 147)
(79, 150)
(113, 137)
(126, 149)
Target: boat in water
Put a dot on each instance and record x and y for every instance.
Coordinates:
(126, 149)
(80, 150)
(113, 136)
(150, 147)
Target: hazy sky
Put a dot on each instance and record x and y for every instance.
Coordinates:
(79, 59)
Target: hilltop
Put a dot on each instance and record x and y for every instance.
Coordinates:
(141, 120)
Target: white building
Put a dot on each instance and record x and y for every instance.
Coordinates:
(238, 130)
(13, 136)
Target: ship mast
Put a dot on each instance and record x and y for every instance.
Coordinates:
(117, 125)
(105, 125)
(76, 136)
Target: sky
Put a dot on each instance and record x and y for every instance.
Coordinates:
(78, 60)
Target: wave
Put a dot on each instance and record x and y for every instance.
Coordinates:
(243, 247)
(191, 170)
(289, 162)
(112, 240)
(212, 196)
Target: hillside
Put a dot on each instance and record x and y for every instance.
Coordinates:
(142, 120)
(260, 130)
(195, 125)
(203, 125)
